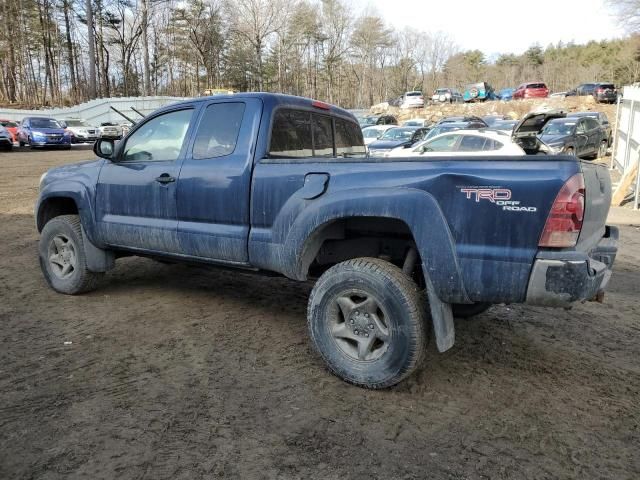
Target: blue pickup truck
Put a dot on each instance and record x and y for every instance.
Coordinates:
(276, 183)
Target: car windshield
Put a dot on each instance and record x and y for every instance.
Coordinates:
(442, 90)
(9, 124)
(536, 85)
(371, 133)
(414, 94)
(413, 123)
(559, 128)
(507, 125)
(398, 134)
(44, 123)
(607, 85)
(76, 123)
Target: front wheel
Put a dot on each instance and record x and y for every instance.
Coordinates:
(367, 321)
(62, 257)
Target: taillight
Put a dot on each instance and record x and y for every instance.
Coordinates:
(319, 104)
(565, 218)
(599, 90)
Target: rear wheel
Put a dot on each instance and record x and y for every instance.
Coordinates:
(367, 321)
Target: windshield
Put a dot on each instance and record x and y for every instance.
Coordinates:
(536, 85)
(398, 134)
(414, 94)
(564, 128)
(508, 125)
(76, 123)
(44, 123)
(8, 124)
(371, 133)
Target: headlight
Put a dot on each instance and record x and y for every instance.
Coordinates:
(556, 148)
(379, 152)
(37, 134)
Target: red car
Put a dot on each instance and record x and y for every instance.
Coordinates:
(531, 90)
(11, 126)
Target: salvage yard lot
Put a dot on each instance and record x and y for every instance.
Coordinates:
(179, 372)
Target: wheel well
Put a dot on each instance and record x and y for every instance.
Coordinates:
(54, 207)
(353, 237)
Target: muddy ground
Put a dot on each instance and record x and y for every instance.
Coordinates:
(177, 372)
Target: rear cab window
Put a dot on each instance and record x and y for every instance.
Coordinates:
(305, 134)
(536, 85)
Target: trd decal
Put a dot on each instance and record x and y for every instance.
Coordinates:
(496, 195)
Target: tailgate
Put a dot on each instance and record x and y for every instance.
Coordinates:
(597, 184)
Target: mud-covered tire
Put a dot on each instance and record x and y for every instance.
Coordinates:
(461, 310)
(368, 301)
(61, 238)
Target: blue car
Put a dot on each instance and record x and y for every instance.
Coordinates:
(43, 132)
(479, 92)
(506, 94)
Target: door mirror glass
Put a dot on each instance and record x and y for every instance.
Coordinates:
(104, 148)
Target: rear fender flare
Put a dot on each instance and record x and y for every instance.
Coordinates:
(419, 210)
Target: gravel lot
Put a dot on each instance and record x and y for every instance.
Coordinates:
(177, 372)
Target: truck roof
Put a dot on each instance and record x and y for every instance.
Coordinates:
(271, 101)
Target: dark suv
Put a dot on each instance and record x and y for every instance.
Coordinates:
(605, 93)
(582, 90)
(602, 120)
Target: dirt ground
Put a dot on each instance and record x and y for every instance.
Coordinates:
(177, 372)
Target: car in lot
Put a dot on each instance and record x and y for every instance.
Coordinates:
(6, 139)
(12, 127)
(462, 118)
(413, 99)
(490, 120)
(479, 92)
(111, 130)
(446, 95)
(370, 120)
(81, 131)
(504, 125)
(602, 119)
(453, 126)
(531, 90)
(402, 137)
(281, 184)
(506, 94)
(582, 90)
(605, 93)
(463, 142)
(374, 132)
(583, 137)
(416, 122)
(43, 132)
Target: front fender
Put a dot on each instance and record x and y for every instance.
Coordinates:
(294, 231)
(76, 191)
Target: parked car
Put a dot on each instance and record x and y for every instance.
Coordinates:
(453, 126)
(374, 132)
(583, 137)
(12, 127)
(526, 132)
(6, 139)
(605, 93)
(378, 120)
(463, 142)
(505, 125)
(602, 120)
(111, 130)
(396, 137)
(506, 94)
(531, 90)
(479, 92)
(446, 95)
(81, 131)
(413, 99)
(582, 90)
(43, 132)
(416, 122)
(245, 183)
(491, 119)
(462, 118)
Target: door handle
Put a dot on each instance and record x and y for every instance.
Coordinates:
(165, 178)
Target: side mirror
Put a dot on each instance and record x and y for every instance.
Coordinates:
(104, 147)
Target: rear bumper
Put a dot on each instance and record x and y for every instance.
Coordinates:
(557, 282)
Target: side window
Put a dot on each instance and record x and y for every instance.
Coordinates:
(322, 136)
(349, 141)
(291, 135)
(471, 143)
(581, 127)
(592, 124)
(490, 145)
(442, 144)
(218, 130)
(159, 139)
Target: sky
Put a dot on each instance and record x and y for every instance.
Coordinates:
(501, 26)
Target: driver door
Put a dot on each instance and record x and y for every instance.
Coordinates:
(136, 193)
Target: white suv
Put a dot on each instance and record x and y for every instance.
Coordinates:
(413, 99)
